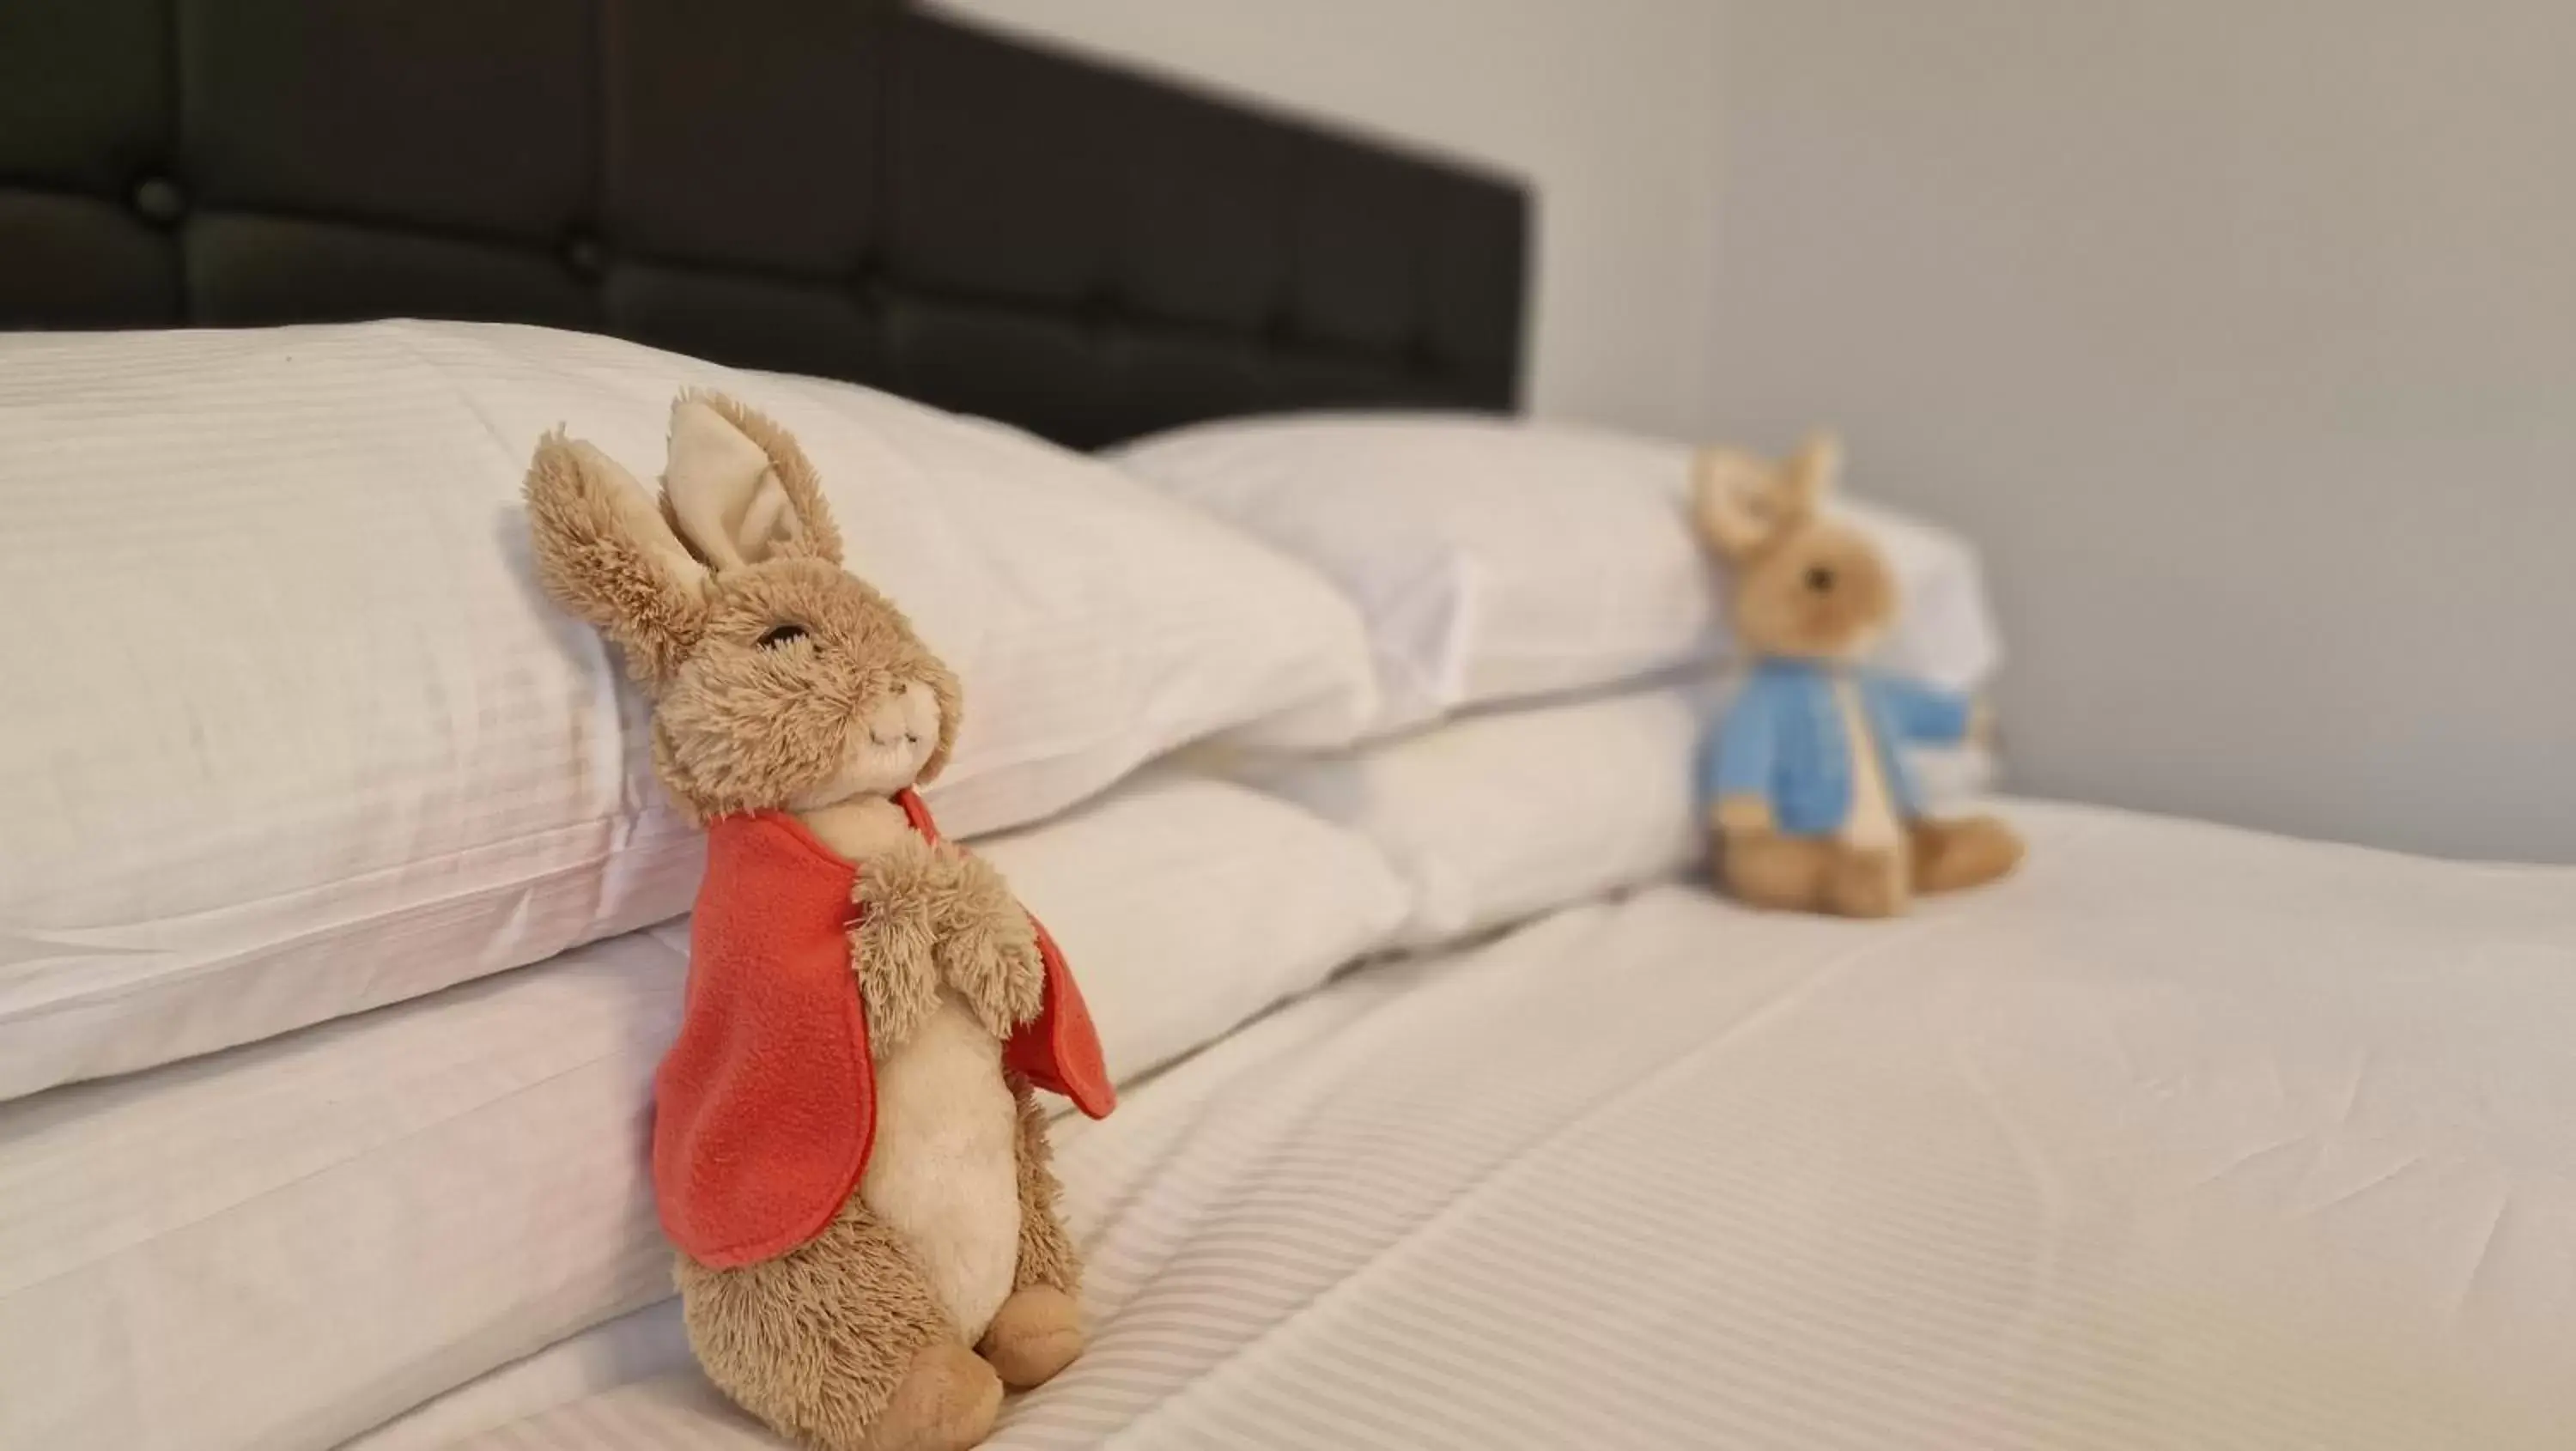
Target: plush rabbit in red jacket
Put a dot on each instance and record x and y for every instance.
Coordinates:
(846, 1148)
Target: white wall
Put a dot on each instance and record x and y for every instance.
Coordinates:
(1608, 107)
(2242, 333)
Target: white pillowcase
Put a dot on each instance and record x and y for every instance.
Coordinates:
(1496, 559)
(282, 1246)
(1187, 905)
(639, 1345)
(1501, 816)
(288, 731)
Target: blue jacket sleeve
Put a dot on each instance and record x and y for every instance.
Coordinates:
(1737, 757)
(1921, 713)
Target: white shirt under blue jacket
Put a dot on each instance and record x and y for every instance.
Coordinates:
(1782, 739)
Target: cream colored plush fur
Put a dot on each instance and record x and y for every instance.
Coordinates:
(1808, 586)
(782, 683)
(944, 1167)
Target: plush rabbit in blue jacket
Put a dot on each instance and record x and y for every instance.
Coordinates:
(1805, 775)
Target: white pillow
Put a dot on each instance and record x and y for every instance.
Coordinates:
(1187, 905)
(288, 731)
(1496, 559)
(639, 1345)
(1500, 816)
(282, 1246)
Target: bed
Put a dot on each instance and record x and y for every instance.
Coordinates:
(2192, 1138)
(2185, 1137)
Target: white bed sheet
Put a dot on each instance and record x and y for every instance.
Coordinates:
(2186, 1138)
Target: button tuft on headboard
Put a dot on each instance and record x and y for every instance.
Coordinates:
(585, 255)
(160, 201)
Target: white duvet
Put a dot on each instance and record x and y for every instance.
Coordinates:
(2186, 1138)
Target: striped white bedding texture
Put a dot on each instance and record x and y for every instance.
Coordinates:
(2187, 1138)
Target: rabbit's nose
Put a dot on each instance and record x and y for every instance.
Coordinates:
(885, 726)
(1820, 578)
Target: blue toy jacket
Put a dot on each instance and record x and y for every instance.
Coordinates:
(1782, 740)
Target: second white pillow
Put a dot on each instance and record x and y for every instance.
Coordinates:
(1499, 559)
(1187, 905)
(1497, 817)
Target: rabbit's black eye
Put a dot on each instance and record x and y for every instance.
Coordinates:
(777, 635)
(1820, 578)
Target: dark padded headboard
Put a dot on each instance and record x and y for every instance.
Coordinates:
(833, 187)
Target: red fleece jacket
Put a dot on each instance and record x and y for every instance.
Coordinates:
(765, 1107)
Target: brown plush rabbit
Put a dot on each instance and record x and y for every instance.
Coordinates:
(1808, 792)
(845, 1145)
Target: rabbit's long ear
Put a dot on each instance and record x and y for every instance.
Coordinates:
(604, 553)
(738, 488)
(1739, 501)
(1815, 470)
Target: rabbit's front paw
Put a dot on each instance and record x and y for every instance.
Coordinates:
(988, 949)
(893, 943)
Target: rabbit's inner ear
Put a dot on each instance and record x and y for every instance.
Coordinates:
(643, 525)
(1737, 500)
(766, 520)
(724, 494)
